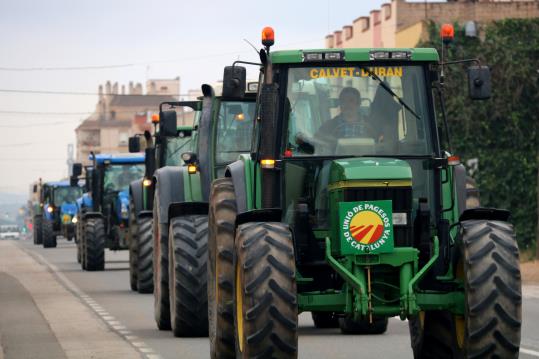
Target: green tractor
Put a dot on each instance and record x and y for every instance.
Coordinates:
(350, 208)
(180, 206)
(166, 152)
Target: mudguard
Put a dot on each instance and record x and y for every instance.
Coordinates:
(204, 140)
(236, 170)
(135, 192)
(479, 213)
(145, 214)
(169, 188)
(177, 209)
(88, 215)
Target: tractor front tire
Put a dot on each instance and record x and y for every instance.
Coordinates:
(38, 236)
(144, 242)
(493, 295)
(324, 320)
(49, 239)
(363, 326)
(221, 233)
(265, 294)
(489, 267)
(188, 257)
(94, 251)
(160, 269)
(133, 247)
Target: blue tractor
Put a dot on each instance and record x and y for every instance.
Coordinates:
(58, 201)
(104, 209)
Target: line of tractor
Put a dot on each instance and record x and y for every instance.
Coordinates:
(329, 186)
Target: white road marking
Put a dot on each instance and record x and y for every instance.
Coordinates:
(103, 314)
(529, 352)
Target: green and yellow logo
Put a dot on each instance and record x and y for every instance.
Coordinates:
(366, 227)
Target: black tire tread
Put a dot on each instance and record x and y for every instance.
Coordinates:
(221, 232)
(144, 255)
(493, 289)
(38, 237)
(188, 256)
(94, 245)
(133, 246)
(49, 239)
(268, 287)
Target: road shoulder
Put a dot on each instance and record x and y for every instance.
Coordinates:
(79, 332)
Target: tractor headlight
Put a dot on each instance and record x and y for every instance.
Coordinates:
(74, 220)
(50, 209)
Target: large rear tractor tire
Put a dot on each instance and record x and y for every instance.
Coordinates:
(94, 251)
(188, 276)
(265, 294)
(221, 233)
(363, 326)
(160, 269)
(133, 247)
(324, 320)
(38, 236)
(489, 266)
(144, 255)
(49, 239)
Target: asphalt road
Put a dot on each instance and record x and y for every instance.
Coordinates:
(131, 314)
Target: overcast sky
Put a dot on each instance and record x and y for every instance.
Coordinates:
(155, 39)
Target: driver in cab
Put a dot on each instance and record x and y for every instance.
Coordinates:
(348, 123)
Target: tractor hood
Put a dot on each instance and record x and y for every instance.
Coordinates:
(68, 208)
(369, 169)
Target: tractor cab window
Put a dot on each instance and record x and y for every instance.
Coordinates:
(118, 177)
(66, 195)
(345, 111)
(234, 131)
(175, 147)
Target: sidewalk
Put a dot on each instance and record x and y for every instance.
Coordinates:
(40, 318)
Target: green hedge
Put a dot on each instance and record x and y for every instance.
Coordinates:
(501, 132)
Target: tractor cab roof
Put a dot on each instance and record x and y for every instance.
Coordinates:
(119, 158)
(354, 55)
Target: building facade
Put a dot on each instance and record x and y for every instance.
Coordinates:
(120, 114)
(403, 24)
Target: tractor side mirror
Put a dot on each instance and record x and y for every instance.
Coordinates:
(234, 79)
(149, 162)
(76, 169)
(73, 181)
(168, 123)
(34, 189)
(479, 84)
(134, 144)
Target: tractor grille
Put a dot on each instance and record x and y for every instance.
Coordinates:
(401, 198)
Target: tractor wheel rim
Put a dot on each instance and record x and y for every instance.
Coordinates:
(239, 309)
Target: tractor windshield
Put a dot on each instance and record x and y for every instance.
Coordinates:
(119, 176)
(175, 147)
(357, 111)
(66, 195)
(235, 124)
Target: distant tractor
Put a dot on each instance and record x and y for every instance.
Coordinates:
(351, 206)
(104, 210)
(166, 151)
(59, 211)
